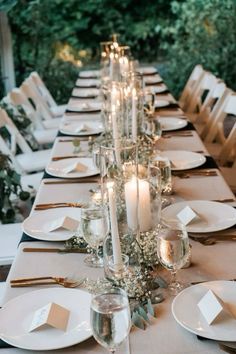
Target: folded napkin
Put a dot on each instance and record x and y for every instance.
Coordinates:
(66, 223)
(75, 167)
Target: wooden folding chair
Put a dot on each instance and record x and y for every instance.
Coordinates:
(55, 109)
(31, 92)
(42, 134)
(28, 161)
(190, 86)
(206, 113)
(205, 84)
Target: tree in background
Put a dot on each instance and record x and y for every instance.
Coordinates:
(58, 37)
(203, 32)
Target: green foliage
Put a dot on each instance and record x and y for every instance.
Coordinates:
(10, 187)
(7, 5)
(58, 37)
(204, 32)
(22, 122)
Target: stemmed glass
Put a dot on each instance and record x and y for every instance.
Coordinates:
(110, 318)
(173, 250)
(94, 225)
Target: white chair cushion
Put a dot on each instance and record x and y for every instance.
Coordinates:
(58, 111)
(45, 136)
(34, 161)
(52, 123)
(10, 235)
(33, 180)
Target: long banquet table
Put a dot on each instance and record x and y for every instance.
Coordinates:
(215, 262)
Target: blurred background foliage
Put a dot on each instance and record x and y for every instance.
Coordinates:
(58, 37)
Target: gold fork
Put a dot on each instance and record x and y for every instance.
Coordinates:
(58, 205)
(65, 282)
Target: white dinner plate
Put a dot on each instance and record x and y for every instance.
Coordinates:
(188, 315)
(54, 168)
(147, 70)
(85, 93)
(17, 315)
(151, 80)
(87, 128)
(37, 224)
(161, 103)
(80, 107)
(90, 74)
(184, 160)
(156, 89)
(88, 83)
(213, 216)
(171, 123)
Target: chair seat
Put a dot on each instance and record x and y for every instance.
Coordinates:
(45, 136)
(34, 161)
(10, 235)
(33, 180)
(52, 123)
(229, 174)
(58, 111)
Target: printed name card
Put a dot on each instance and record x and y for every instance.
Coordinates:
(64, 222)
(211, 306)
(187, 215)
(52, 315)
(75, 167)
(83, 128)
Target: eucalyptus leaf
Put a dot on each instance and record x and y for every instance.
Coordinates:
(160, 282)
(150, 308)
(137, 320)
(141, 311)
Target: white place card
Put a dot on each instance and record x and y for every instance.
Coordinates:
(83, 128)
(186, 215)
(75, 167)
(85, 106)
(64, 222)
(211, 306)
(52, 315)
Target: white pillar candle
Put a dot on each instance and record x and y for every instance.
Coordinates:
(134, 114)
(140, 211)
(114, 225)
(124, 65)
(114, 104)
(111, 66)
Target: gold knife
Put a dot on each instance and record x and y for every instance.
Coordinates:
(55, 250)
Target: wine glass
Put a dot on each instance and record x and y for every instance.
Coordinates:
(163, 163)
(95, 227)
(173, 250)
(110, 318)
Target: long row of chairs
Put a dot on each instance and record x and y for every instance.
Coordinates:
(211, 107)
(45, 115)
